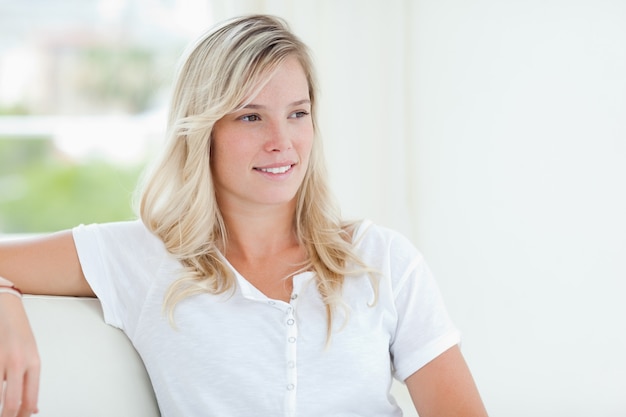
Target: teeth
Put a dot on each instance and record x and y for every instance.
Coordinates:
(277, 170)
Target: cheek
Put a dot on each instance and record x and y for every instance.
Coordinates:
(220, 161)
(220, 158)
(307, 149)
(230, 156)
(306, 143)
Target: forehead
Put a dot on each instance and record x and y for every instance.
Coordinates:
(288, 81)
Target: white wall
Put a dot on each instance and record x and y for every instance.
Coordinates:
(493, 133)
(521, 195)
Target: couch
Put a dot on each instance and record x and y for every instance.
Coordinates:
(90, 369)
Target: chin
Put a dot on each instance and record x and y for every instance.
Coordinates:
(277, 200)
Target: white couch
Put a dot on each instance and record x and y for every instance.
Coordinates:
(90, 369)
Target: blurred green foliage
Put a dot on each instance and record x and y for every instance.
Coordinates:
(43, 191)
(127, 77)
(14, 110)
(40, 191)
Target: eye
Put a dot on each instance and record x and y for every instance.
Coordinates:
(298, 114)
(250, 118)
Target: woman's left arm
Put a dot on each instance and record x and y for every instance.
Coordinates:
(444, 387)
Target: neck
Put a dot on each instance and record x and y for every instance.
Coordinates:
(259, 233)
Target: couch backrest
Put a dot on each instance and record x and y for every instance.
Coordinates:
(88, 368)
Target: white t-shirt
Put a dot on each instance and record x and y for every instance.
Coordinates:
(243, 354)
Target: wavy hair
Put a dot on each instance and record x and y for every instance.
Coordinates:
(177, 203)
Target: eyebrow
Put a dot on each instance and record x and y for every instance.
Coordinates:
(260, 106)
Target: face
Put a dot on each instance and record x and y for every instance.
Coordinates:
(261, 152)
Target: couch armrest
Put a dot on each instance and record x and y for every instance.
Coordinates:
(88, 368)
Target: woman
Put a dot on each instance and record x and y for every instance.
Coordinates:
(240, 286)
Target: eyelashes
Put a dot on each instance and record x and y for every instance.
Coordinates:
(255, 117)
(299, 114)
(250, 118)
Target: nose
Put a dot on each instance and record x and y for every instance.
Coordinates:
(278, 137)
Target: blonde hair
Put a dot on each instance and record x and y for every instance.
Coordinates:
(224, 67)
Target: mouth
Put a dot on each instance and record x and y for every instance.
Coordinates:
(276, 170)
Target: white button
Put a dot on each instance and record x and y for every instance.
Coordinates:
(292, 339)
(291, 364)
(290, 322)
(294, 296)
(270, 302)
(290, 387)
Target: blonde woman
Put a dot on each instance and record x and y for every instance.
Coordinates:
(240, 286)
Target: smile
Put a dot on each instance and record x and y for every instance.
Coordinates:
(276, 170)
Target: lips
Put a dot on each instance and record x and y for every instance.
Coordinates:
(277, 168)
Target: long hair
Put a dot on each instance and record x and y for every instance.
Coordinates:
(218, 72)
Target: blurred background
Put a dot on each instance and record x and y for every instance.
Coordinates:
(490, 132)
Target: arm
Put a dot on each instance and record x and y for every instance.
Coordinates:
(47, 265)
(444, 387)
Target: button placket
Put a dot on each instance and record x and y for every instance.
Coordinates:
(291, 333)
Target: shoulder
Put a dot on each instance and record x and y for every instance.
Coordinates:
(374, 241)
(118, 236)
(133, 228)
(390, 253)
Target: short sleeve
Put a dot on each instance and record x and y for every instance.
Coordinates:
(119, 260)
(424, 329)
